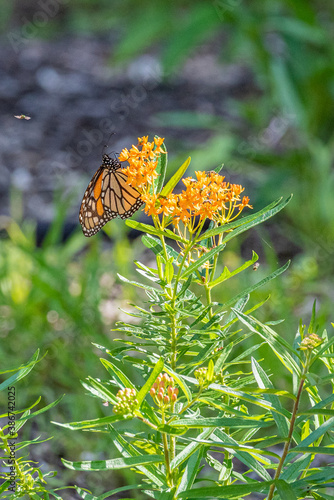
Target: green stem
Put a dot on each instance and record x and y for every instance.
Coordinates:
(208, 298)
(215, 259)
(166, 453)
(6, 447)
(289, 438)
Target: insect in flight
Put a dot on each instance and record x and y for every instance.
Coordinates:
(107, 196)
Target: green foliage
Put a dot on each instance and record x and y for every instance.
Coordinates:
(194, 396)
(20, 475)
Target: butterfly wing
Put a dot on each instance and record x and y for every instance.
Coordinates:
(120, 197)
(107, 196)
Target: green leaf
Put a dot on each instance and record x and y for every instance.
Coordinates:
(181, 382)
(315, 450)
(86, 496)
(312, 326)
(190, 449)
(292, 472)
(99, 390)
(137, 284)
(328, 413)
(243, 395)
(161, 169)
(316, 434)
(120, 377)
(247, 222)
(281, 347)
(244, 457)
(175, 179)
(21, 373)
(285, 490)
(3, 486)
(207, 256)
(89, 424)
(226, 274)
(229, 491)
(115, 463)
(127, 450)
(323, 496)
(146, 228)
(256, 221)
(194, 423)
(263, 381)
(169, 271)
(256, 286)
(190, 471)
(155, 245)
(150, 381)
(38, 412)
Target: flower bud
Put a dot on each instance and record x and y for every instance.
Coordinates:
(310, 342)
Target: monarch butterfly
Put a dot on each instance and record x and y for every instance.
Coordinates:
(107, 196)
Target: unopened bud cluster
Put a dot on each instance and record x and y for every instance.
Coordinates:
(163, 391)
(310, 342)
(200, 375)
(127, 401)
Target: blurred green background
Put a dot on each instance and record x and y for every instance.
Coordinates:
(274, 136)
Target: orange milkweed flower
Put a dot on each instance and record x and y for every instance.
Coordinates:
(143, 161)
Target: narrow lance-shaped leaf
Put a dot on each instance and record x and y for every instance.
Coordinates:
(146, 228)
(264, 382)
(246, 222)
(121, 378)
(21, 373)
(191, 448)
(150, 381)
(114, 464)
(161, 169)
(280, 347)
(180, 380)
(251, 289)
(219, 422)
(155, 245)
(226, 274)
(127, 450)
(98, 389)
(285, 490)
(244, 457)
(207, 256)
(38, 412)
(257, 221)
(229, 491)
(190, 471)
(175, 179)
(316, 434)
(90, 424)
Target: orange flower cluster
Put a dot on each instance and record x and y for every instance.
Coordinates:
(207, 197)
(143, 161)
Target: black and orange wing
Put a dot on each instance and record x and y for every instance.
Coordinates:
(107, 196)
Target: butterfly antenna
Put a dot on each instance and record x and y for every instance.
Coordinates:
(107, 145)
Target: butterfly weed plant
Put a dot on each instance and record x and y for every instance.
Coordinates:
(212, 422)
(20, 476)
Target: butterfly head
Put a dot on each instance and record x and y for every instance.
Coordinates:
(106, 159)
